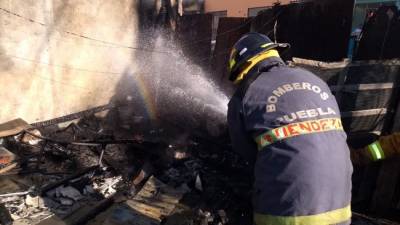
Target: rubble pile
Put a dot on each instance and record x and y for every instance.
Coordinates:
(59, 195)
(41, 177)
(64, 169)
(84, 173)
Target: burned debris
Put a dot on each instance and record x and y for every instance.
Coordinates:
(80, 173)
(83, 174)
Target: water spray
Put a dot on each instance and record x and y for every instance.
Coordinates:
(183, 92)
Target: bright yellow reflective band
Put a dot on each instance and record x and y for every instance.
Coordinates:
(296, 129)
(253, 61)
(266, 45)
(232, 63)
(327, 218)
(376, 151)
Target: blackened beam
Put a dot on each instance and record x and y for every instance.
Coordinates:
(74, 116)
(51, 186)
(135, 143)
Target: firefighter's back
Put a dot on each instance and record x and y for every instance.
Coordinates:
(303, 169)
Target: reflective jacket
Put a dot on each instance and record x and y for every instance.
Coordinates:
(288, 121)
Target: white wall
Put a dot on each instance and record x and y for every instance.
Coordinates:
(46, 72)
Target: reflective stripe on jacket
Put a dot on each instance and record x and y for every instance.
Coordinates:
(288, 123)
(338, 217)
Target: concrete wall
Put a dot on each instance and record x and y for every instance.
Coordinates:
(46, 72)
(238, 8)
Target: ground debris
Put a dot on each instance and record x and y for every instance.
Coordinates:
(30, 139)
(107, 186)
(7, 160)
(37, 202)
(188, 181)
(67, 192)
(156, 200)
(5, 217)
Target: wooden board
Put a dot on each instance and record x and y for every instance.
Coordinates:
(122, 214)
(13, 127)
(156, 200)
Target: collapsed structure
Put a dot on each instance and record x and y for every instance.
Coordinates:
(80, 170)
(81, 174)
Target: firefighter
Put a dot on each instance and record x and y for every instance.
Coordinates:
(286, 121)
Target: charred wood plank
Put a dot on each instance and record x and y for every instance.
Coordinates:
(51, 186)
(13, 127)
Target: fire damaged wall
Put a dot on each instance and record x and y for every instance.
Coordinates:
(63, 56)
